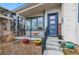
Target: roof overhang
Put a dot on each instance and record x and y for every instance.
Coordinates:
(24, 6)
(38, 8)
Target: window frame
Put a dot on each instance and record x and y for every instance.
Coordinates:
(30, 25)
(20, 28)
(36, 23)
(42, 24)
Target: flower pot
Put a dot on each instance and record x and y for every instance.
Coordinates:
(25, 41)
(37, 42)
(69, 45)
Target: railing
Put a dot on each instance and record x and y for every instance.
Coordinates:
(44, 40)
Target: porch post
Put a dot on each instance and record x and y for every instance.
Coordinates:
(17, 25)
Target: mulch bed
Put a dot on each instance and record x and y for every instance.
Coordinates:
(74, 51)
(17, 48)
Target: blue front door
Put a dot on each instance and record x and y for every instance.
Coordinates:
(52, 24)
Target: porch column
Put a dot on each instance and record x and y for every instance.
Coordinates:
(70, 19)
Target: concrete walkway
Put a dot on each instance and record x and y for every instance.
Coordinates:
(53, 47)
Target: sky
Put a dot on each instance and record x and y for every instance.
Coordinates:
(10, 6)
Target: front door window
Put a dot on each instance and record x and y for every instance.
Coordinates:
(52, 24)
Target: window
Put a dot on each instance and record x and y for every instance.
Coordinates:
(27, 25)
(21, 28)
(34, 24)
(40, 23)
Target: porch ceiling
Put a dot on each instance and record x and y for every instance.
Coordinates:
(38, 9)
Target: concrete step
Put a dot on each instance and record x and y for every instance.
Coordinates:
(49, 47)
(53, 52)
(50, 40)
(53, 44)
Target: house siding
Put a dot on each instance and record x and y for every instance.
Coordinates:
(70, 17)
(78, 27)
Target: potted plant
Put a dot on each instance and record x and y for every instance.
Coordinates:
(25, 41)
(37, 42)
(59, 36)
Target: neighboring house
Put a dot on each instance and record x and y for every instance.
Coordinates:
(10, 17)
(57, 18)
